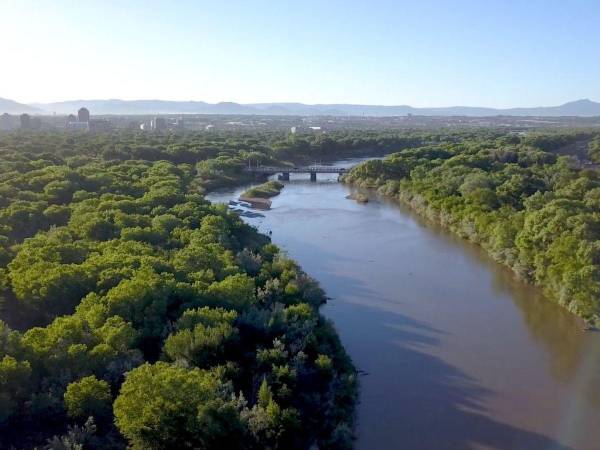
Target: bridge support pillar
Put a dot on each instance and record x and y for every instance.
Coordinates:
(285, 176)
(313, 176)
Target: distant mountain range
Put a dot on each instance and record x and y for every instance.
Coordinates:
(582, 108)
(12, 107)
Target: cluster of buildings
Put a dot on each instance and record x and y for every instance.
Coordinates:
(83, 122)
(24, 121)
(79, 123)
(159, 124)
(303, 129)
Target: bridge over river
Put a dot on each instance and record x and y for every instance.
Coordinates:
(285, 171)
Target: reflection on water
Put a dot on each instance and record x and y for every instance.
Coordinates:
(456, 353)
(547, 322)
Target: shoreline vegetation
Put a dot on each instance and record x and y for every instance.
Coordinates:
(358, 197)
(528, 206)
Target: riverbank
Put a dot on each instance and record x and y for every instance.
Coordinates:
(337, 422)
(522, 233)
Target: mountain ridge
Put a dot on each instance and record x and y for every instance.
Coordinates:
(13, 107)
(581, 108)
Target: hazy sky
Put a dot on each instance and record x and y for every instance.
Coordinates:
(419, 52)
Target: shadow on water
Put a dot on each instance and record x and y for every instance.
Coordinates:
(413, 400)
(559, 331)
(410, 398)
(417, 395)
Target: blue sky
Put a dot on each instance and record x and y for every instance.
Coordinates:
(498, 53)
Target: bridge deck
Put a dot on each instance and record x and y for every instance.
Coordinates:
(306, 169)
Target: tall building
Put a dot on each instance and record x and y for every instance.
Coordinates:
(158, 124)
(83, 115)
(25, 120)
(5, 122)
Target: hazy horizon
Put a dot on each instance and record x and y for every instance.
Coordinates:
(578, 108)
(66, 100)
(500, 54)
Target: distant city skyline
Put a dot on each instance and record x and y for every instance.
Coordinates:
(499, 54)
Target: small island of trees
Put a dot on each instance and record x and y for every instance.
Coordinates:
(265, 190)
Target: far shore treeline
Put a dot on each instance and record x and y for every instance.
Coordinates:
(532, 202)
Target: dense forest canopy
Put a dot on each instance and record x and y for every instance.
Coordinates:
(531, 207)
(135, 313)
(594, 149)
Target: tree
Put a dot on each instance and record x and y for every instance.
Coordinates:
(202, 346)
(88, 397)
(101, 258)
(14, 379)
(235, 291)
(264, 394)
(162, 406)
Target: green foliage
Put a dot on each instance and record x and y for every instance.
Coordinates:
(88, 397)
(235, 291)
(202, 346)
(161, 406)
(265, 190)
(594, 150)
(528, 208)
(14, 377)
(324, 363)
(209, 317)
(264, 394)
(125, 279)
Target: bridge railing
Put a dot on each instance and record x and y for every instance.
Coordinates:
(304, 169)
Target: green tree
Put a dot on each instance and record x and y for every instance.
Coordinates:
(88, 397)
(162, 406)
(14, 386)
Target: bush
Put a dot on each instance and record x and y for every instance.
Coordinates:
(88, 397)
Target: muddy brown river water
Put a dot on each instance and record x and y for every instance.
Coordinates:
(454, 352)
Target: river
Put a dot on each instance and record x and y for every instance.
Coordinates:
(454, 352)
